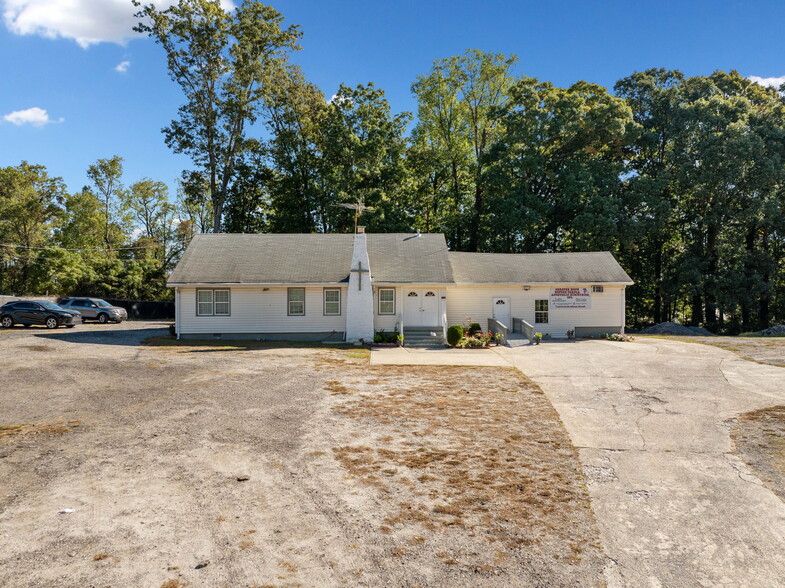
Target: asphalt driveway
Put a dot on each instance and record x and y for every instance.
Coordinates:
(651, 419)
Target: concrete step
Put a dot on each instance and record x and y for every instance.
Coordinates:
(423, 337)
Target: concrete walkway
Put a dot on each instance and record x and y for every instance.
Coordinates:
(459, 357)
(651, 420)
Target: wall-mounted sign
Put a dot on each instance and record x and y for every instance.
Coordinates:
(570, 298)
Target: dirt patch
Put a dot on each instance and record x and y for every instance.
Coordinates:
(477, 458)
(147, 490)
(764, 350)
(760, 441)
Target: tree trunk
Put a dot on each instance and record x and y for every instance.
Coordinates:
(474, 230)
(697, 310)
(710, 284)
(658, 285)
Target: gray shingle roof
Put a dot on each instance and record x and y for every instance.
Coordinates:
(225, 258)
(521, 268)
(409, 259)
(222, 258)
(402, 258)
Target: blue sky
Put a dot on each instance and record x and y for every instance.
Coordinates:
(65, 57)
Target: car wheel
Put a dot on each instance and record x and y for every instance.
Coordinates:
(103, 319)
(51, 323)
(7, 322)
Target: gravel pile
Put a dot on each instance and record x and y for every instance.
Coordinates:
(674, 329)
(775, 331)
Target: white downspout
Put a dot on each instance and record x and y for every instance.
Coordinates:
(177, 312)
(623, 308)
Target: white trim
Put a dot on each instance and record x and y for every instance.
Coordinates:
(289, 301)
(521, 284)
(324, 302)
(379, 300)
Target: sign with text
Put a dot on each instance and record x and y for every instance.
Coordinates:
(570, 298)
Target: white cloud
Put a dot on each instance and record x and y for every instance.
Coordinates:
(87, 22)
(122, 67)
(38, 117)
(768, 82)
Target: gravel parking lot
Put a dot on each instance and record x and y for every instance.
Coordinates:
(220, 465)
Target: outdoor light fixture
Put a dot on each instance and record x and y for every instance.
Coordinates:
(527, 288)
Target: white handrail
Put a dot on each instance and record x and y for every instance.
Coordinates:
(444, 326)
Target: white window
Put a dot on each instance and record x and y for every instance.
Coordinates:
(332, 301)
(213, 302)
(540, 311)
(296, 301)
(221, 302)
(386, 300)
(597, 289)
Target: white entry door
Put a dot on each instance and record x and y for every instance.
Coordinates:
(420, 308)
(501, 311)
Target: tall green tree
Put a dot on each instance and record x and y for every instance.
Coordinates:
(554, 176)
(223, 62)
(362, 147)
(30, 210)
(106, 176)
(459, 102)
(652, 247)
(296, 110)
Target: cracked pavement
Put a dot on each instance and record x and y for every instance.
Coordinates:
(651, 420)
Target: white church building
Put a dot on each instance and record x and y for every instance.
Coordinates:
(336, 287)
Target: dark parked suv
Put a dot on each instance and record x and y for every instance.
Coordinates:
(37, 312)
(95, 309)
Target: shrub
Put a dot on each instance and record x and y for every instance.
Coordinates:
(172, 330)
(385, 337)
(479, 339)
(454, 334)
(474, 328)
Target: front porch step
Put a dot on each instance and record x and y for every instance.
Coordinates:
(423, 337)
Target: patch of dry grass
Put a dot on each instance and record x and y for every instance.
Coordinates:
(759, 437)
(100, 556)
(480, 451)
(53, 427)
(336, 387)
(174, 583)
(229, 345)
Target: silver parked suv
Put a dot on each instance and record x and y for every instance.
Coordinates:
(95, 309)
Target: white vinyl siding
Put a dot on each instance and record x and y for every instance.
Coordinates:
(259, 310)
(476, 302)
(214, 302)
(295, 300)
(332, 301)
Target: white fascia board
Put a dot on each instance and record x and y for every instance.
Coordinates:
(598, 283)
(253, 284)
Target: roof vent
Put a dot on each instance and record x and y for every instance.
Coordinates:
(419, 234)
